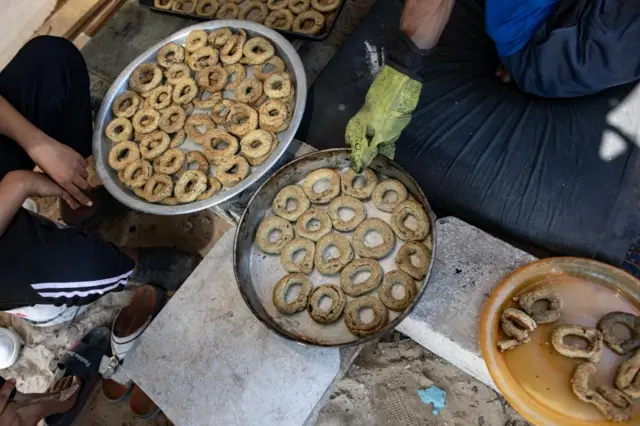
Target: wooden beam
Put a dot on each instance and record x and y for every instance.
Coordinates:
(66, 21)
(97, 20)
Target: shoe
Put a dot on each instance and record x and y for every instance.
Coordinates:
(10, 345)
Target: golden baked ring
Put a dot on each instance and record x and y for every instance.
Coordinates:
(126, 104)
(313, 224)
(271, 224)
(146, 120)
(172, 120)
(170, 201)
(256, 144)
(213, 142)
(332, 266)
(273, 115)
(400, 214)
(349, 178)
(280, 19)
(506, 345)
(196, 40)
(154, 145)
(593, 351)
(248, 90)
(613, 404)
(278, 85)
(257, 161)
(236, 73)
(208, 102)
(423, 255)
(382, 189)
(277, 4)
(219, 37)
(190, 185)
(392, 279)
(160, 97)
(212, 78)
(628, 376)
(169, 162)
(202, 58)
(241, 119)
(551, 313)
(213, 187)
(184, 91)
(177, 72)
(283, 286)
(350, 203)
(122, 154)
(232, 170)
(359, 327)
(188, 106)
(273, 65)
(220, 111)
(184, 6)
(137, 173)
(145, 78)
(618, 344)
(162, 4)
(178, 138)
(326, 5)
(305, 265)
(228, 11)
(295, 194)
(357, 266)
(299, 6)
(231, 52)
(379, 251)
(169, 54)
(194, 123)
(338, 301)
(313, 17)
(517, 324)
(207, 8)
(257, 50)
(254, 11)
(158, 187)
(325, 196)
(200, 161)
(119, 130)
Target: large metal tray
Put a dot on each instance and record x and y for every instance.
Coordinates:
(102, 145)
(331, 20)
(257, 273)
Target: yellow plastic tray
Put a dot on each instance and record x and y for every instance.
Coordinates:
(534, 378)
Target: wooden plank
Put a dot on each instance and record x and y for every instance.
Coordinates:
(97, 20)
(70, 17)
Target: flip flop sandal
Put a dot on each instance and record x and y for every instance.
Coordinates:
(82, 359)
(141, 405)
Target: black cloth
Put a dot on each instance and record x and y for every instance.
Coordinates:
(514, 164)
(586, 47)
(48, 83)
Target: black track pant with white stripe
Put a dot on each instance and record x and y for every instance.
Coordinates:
(47, 81)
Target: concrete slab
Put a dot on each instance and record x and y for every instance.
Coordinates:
(207, 360)
(469, 263)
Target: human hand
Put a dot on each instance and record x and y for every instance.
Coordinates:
(40, 185)
(64, 165)
(386, 112)
(8, 410)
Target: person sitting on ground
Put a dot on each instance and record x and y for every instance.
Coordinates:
(27, 409)
(45, 121)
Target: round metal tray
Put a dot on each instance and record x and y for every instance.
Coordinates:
(257, 273)
(102, 145)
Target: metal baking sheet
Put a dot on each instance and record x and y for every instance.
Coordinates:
(257, 273)
(330, 22)
(102, 145)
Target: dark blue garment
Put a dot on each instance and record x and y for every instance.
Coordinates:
(512, 23)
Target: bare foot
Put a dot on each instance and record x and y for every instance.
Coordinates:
(60, 397)
(503, 73)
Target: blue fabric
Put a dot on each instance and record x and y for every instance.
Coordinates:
(512, 23)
